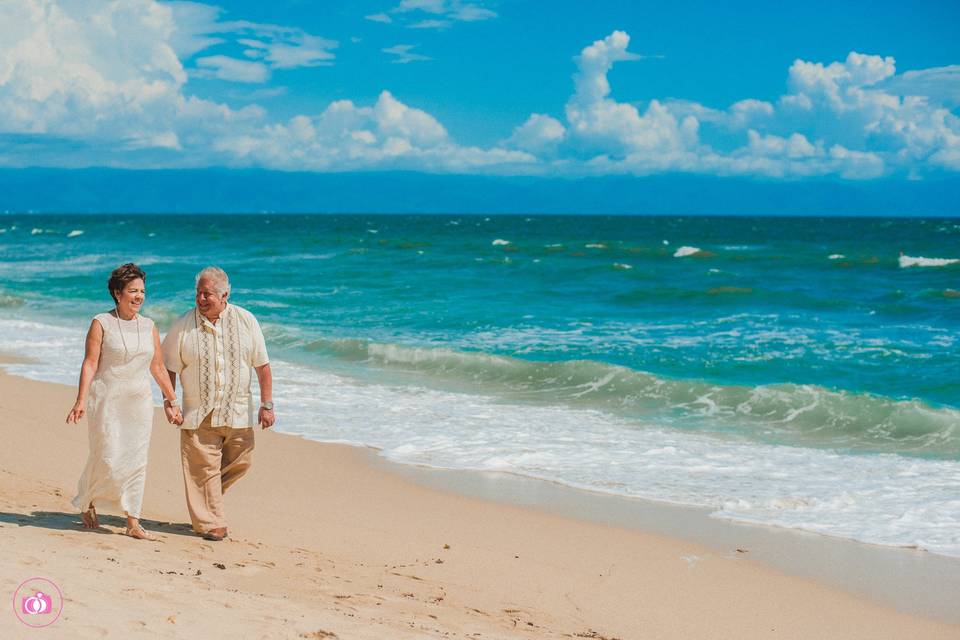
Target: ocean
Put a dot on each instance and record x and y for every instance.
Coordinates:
(794, 372)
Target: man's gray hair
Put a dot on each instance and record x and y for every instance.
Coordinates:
(217, 275)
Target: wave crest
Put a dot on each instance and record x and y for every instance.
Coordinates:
(795, 414)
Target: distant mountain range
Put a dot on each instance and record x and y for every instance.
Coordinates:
(255, 191)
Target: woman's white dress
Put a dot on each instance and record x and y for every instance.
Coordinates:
(120, 417)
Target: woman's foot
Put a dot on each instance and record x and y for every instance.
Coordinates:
(134, 530)
(90, 520)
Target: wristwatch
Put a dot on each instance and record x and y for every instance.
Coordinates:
(266, 405)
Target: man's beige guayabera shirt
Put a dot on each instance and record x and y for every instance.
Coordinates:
(214, 362)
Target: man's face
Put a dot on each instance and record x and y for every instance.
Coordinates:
(209, 300)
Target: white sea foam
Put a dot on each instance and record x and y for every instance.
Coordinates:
(595, 245)
(685, 251)
(75, 233)
(882, 499)
(499, 242)
(920, 261)
(622, 265)
(836, 256)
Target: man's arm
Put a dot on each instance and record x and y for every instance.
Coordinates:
(265, 417)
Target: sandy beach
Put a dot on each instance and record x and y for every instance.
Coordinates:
(328, 542)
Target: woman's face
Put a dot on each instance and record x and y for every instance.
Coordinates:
(130, 299)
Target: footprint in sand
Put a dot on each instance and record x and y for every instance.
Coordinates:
(251, 567)
(520, 618)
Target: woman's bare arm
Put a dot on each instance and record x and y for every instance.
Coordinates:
(91, 361)
(164, 381)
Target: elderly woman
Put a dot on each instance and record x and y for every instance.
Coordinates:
(122, 351)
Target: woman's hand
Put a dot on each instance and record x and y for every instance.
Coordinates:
(174, 415)
(79, 410)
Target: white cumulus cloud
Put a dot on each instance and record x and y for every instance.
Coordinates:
(388, 134)
(842, 118)
(540, 133)
(100, 70)
(89, 82)
(602, 125)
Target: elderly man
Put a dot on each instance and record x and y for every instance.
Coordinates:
(213, 347)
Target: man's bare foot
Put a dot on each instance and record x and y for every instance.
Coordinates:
(216, 535)
(138, 532)
(90, 520)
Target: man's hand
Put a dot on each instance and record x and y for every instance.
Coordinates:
(266, 418)
(174, 415)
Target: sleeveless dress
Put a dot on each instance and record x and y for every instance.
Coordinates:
(120, 417)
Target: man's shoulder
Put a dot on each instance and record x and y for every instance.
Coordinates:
(181, 321)
(242, 313)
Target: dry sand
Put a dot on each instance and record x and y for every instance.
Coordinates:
(326, 544)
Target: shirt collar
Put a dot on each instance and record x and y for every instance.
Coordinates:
(204, 322)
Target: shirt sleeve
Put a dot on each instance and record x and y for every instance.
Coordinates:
(258, 355)
(170, 348)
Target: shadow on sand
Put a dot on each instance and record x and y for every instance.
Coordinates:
(63, 521)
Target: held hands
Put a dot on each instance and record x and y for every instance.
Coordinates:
(174, 415)
(78, 411)
(266, 418)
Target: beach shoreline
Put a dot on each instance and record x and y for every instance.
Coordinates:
(907, 579)
(332, 538)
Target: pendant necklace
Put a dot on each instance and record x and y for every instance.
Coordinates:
(126, 352)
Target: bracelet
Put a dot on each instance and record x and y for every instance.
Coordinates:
(171, 403)
(266, 405)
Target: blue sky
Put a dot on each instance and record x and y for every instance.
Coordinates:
(845, 90)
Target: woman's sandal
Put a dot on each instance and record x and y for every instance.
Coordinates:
(90, 520)
(140, 533)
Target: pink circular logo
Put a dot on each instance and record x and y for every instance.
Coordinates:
(37, 602)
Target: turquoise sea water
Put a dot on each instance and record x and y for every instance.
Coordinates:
(796, 371)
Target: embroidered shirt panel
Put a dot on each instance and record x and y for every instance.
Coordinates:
(214, 363)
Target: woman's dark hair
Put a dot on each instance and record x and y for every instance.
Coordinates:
(122, 276)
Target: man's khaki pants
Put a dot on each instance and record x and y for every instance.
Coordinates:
(213, 459)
